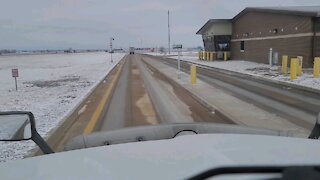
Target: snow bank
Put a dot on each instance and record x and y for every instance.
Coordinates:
(50, 86)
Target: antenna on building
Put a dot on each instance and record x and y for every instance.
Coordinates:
(169, 31)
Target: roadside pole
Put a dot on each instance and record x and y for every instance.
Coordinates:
(15, 80)
(15, 74)
(270, 57)
(179, 70)
(179, 47)
(111, 51)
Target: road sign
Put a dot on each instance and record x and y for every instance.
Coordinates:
(15, 73)
(177, 46)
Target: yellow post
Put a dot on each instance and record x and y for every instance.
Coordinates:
(225, 55)
(214, 56)
(316, 67)
(284, 68)
(199, 55)
(208, 58)
(300, 61)
(293, 68)
(193, 74)
(203, 55)
(211, 56)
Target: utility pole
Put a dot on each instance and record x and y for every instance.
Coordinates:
(111, 51)
(169, 31)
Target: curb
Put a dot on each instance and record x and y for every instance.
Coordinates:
(198, 98)
(282, 83)
(66, 122)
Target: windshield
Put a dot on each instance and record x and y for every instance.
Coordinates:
(83, 67)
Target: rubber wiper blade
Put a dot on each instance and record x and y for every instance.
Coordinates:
(315, 133)
(288, 172)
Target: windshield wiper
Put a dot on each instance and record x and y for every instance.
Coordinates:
(315, 133)
(287, 172)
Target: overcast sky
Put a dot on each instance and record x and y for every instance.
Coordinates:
(59, 24)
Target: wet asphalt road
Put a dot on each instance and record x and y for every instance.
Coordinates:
(298, 106)
(144, 97)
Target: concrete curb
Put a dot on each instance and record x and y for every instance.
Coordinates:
(198, 98)
(57, 133)
(282, 83)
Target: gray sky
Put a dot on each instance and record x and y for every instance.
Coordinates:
(59, 24)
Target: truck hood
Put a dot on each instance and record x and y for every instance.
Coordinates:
(177, 158)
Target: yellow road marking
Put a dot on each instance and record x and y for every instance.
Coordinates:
(97, 113)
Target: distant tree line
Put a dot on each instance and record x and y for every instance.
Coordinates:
(7, 51)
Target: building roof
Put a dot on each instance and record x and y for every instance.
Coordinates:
(313, 11)
(209, 23)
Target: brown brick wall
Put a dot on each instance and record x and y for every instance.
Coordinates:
(258, 51)
(317, 46)
(317, 38)
(258, 24)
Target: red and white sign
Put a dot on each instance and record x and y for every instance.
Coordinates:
(15, 73)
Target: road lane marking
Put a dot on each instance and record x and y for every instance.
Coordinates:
(97, 113)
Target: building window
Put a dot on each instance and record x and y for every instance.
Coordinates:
(275, 31)
(223, 46)
(241, 46)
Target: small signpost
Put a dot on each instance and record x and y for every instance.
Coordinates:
(15, 74)
(178, 46)
(111, 50)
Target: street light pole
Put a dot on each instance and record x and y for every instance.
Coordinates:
(169, 31)
(111, 51)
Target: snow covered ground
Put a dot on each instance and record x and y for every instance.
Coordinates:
(50, 86)
(255, 69)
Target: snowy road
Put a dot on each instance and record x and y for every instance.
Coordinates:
(143, 97)
(298, 106)
(50, 86)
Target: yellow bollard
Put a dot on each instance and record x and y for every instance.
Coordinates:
(193, 74)
(293, 68)
(299, 68)
(199, 55)
(225, 55)
(208, 54)
(204, 55)
(284, 68)
(316, 67)
(211, 56)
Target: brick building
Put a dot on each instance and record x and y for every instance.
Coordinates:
(292, 31)
(216, 36)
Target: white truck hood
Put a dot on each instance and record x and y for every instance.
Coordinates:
(176, 158)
